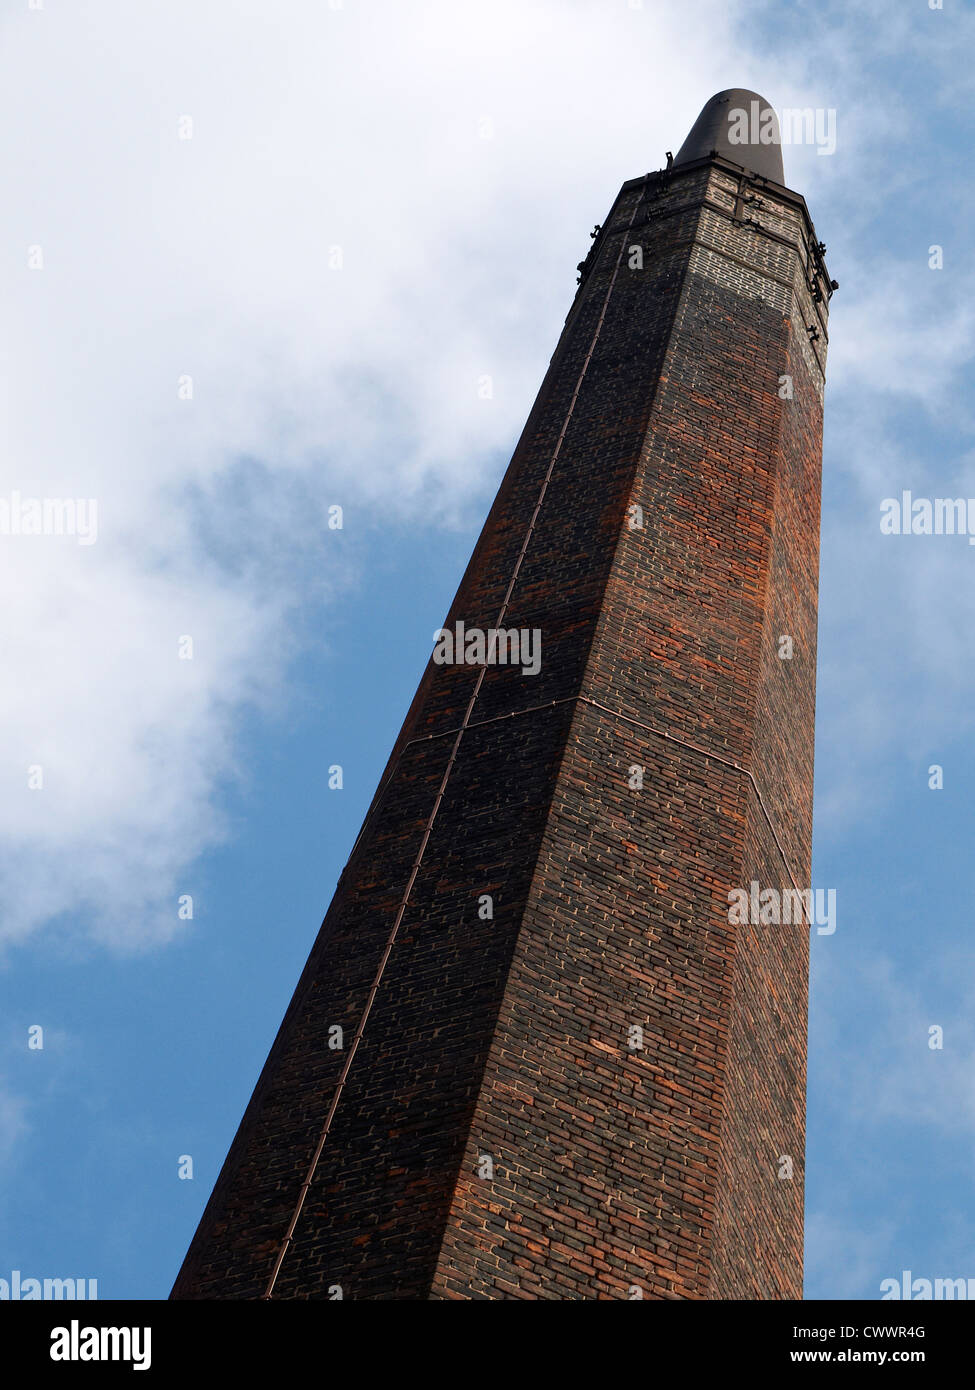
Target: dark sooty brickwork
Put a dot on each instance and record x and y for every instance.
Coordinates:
(502, 1131)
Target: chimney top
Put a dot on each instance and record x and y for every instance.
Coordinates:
(733, 124)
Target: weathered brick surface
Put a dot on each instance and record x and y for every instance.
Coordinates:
(508, 1039)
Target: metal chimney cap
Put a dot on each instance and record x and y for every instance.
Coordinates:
(741, 126)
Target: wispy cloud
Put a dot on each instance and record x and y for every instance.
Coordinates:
(378, 208)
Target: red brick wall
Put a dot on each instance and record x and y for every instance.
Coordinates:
(507, 1038)
(759, 1226)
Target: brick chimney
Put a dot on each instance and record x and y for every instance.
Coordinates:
(530, 1056)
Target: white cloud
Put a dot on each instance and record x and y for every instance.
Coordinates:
(14, 1126)
(890, 1072)
(360, 128)
(892, 1121)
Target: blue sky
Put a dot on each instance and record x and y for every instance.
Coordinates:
(458, 154)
